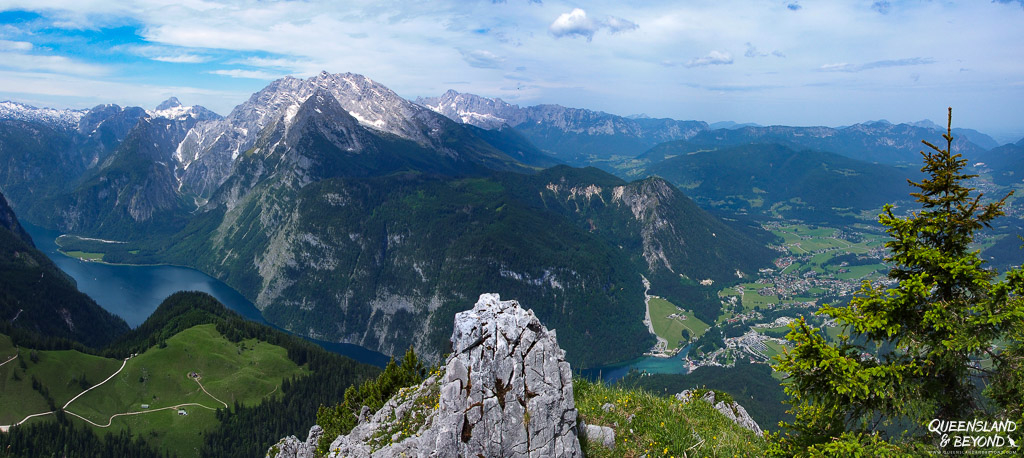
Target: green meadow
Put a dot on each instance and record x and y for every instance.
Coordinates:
(160, 378)
(671, 329)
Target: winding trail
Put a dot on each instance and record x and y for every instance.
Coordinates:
(9, 359)
(97, 385)
(111, 419)
(208, 393)
(5, 428)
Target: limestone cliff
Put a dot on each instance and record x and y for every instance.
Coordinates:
(506, 390)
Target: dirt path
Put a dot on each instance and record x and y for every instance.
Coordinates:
(5, 428)
(659, 348)
(125, 362)
(208, 393)
(111, 419)
(9, 359)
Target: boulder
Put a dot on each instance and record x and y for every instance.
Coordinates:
(603, 435)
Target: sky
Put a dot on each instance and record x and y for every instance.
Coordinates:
(794, 62)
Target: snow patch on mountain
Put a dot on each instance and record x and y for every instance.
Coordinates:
(22, 112)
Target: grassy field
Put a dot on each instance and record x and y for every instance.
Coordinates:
(650, 425)
(671, 329)
(6, 348)
(84, 255)
(59, 371)
(245, 372)
(752, 297)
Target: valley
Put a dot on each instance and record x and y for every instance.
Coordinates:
(187, 369)
(332, 209)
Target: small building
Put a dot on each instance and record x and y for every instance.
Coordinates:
(145, 406)
(182, 412)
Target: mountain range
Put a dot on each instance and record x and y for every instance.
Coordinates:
(347, 213)
(769, 179)
(572, 135)
(585, 137)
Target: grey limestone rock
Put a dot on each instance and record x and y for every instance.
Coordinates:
(506, 390)
(603, 435)
(291, 447)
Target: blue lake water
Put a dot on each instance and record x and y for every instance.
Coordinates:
(649, 364)
(134, 292)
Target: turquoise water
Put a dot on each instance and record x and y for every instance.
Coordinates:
(649, 364)
(134, 292)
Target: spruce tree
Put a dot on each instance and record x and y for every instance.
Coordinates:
(918, 350)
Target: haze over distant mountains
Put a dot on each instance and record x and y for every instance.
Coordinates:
(580, 136)
(347, 213)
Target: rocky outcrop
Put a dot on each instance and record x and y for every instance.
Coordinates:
(292, 446)
(730, 409)
(506, 390)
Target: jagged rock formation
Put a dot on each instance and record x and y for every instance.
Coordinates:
(732, 409)
(506, 390)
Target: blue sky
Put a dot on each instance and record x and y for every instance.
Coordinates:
(796, 62)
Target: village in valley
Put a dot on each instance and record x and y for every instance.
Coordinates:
(816, 265)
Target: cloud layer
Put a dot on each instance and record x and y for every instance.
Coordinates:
(687, 60)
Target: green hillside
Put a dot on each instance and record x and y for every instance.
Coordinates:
(39, 303)
(347, 246)
(778, 180)
(245, 372)
(144, 396)
(191, 354)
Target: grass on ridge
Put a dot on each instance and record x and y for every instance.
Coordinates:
(246, 372)
(660, 426)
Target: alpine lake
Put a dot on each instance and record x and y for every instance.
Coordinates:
(133, 292)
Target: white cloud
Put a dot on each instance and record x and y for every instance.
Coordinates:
(170, 54)
(881, 6)
(250, 74)
(617, 24)
(7, 45)
(753, 52)
(713, 58)
(482, 59)
(576, 23)
(54, 64)
(852, 68)
(182, 59)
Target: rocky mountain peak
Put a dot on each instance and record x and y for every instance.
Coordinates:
(475, 110)
(22, 112)
(172, 102)
(506, 390)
